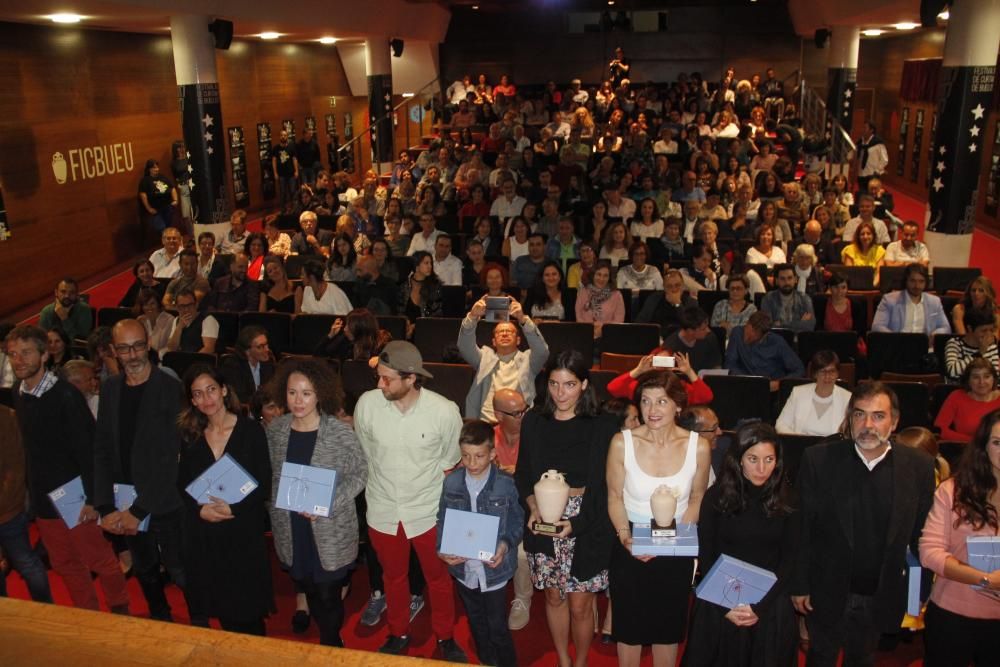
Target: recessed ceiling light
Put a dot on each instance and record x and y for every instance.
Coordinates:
(65, 18)
(407, 94)
(944, 15)
(611, 2)
(873, 32)
(475, 6)
(327, 40)
(269, 35)
(906, 25)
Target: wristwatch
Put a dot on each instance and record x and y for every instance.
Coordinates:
(985, 582)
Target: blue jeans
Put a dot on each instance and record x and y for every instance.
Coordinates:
(162, 219)
(17, 546)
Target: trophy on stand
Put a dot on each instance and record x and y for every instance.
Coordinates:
(663, 503)
(551, 496)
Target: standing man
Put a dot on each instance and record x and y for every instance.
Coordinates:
(307, 154)
(66, 311)
(873, 158)
(410, 438)
(285, 168)
(57, 430)
(138, 443)
(863, 503)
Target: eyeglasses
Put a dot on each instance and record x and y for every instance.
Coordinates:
(516, 415)
(188, 304)
(135, 348)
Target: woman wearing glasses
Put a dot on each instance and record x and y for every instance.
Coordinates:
(817, 408)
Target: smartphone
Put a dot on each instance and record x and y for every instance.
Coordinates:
(497, 309)
(663, 361)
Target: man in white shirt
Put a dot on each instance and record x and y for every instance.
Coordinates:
(578, 94)
(912, 310)
(558, 127)
(234, 241)
(907, 250)
(866, 209)
(873, 158)
(166, 260)
(447, 267)
(619, 206)
(459, 89)
(502, 172)
(692, 218)
(425, 238)
(509, 203)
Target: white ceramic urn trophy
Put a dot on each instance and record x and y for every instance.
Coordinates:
(551, 496)
(663, 503)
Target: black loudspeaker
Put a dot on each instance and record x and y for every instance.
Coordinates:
(929, 9)
(223, 32)
(821, 37)
(397, 47)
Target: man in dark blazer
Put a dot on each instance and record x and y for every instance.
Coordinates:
(251, 366)
(863, 504)
(138, 442)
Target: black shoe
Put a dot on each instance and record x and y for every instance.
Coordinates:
(300, 621)
(395, 645)
(451, 651)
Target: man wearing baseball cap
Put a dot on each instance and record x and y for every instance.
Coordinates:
(410, 436)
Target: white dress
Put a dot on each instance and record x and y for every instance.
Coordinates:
(800, 416)
(333, 301)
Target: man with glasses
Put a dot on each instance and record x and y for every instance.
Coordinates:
(137, 442)
(251, 366)
(192, 331)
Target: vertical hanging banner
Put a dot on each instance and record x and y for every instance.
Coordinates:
(993, 184)
(311, 124)
(930, 149)
(842, 83)
(904, 130)
(289, 127)
(959, 141)
(918, 138)
(238, 162)
(380, 116)
(201, 117)
(347, 157)
(264, 153)
(333, 143)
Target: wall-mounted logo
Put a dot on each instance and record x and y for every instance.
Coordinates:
(93, 162)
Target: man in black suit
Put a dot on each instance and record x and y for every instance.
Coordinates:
(252, 364)
(863, 503)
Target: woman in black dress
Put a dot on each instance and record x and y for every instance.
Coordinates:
(421, 293)
(279, 294)
(567, 433)
(225, 552)
(746, 515)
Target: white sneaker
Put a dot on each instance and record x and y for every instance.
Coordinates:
(520, 614)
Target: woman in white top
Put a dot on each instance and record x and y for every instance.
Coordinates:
(155, 320)
(319, 296)
(516, 245)
(617, 241)
(647, 224)
(817, 408)
(637, 274)
(649, 595)
(765, 252)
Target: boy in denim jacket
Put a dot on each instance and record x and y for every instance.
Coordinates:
(479, 486)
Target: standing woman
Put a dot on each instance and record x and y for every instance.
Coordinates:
(962, 624)
(157, 197)
(318, 551)
(225, 552)
(746, 515)
(566, 434)
(649, 595)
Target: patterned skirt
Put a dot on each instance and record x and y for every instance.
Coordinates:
(554, 571)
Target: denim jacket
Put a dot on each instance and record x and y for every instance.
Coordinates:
(498, 498)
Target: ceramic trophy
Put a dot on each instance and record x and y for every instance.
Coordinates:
(663, 503)
(551, 496)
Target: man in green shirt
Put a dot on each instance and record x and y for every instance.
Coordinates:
(67, 311)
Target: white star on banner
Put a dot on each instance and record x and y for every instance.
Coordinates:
(974, 130)
(208, 120)
(190, 169)
(847, 104)
(937, 185)
(940, 165)
(977, 113)
(847, 93)
(972, 148)
(209, 150)
(188, 154)
(942, 150)
(208, 136)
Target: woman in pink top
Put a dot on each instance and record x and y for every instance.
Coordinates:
(963, 624)
(600, 302)
(962, 410)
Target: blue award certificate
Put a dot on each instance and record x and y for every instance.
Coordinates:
(469, 535)
(225, 479)
(69, 500)
(125, 495)
(732, 582)
(307, 489)
(913, 576)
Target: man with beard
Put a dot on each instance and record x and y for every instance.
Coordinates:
(234, 293)
(788, 307)
(863, 502)
(67, 312)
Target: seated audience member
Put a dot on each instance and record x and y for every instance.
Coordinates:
(395, 237)
(235, 292)
(144, 279)
(737, 309)
(700, 417)
(810, 276)
(588, 260)
(80, 373)
(320, 297)
(817, 408)
(764, 251)
(148, 311)
(864, 250)
(964, 408)
(671, 246)
(812, 235)
(698, 392)
(619, 206)
(424, 238)
(385, 260)
(907, 250)
(278, 294)
(343, 259)
(617, 242)
(911, 309)
(234, 240)
(509, 203)
(564, 245)
(526, 268)
(166, 263)
(637, 274)
(500, 365)
(252, 365)
(647, 224)
(979, 341)
(548, 298)
(664, 308)
(473, 264)
(516, 244)
(754, 350)
(420, 294)
(187, 279)
(58, 345)
(310, 240)
(700, 276)
(101, 352)
(447, 267)
(209, 266)
(838, 315)
(355, 337)
(691, 220)
(278, 242)
(67, 311)
(979, 294)
(193, 330)
(256, 252)
(787, 307)
(599, 301)
(695, 340)
(919, 437)
(372, 290)
(866, 210)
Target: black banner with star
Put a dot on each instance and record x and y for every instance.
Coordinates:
(380, 116)
(201, 118)
(843, 81)
(963, 109)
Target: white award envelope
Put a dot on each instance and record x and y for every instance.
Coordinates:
(307, 489)
(469, 534)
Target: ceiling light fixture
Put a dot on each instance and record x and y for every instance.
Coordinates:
(906, 25)
(65, 18)
(873, 32)
(327, 40)
(269, 35)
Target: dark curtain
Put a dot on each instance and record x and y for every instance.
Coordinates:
(920, 80)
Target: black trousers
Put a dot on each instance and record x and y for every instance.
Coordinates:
(326, 608)
(487, 614)
(254, 627)
(854, 631)
(953, 640)
(161, 545)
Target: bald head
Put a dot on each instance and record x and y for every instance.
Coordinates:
(508, 400)
(127, 329)
(367, 267)
(812, 231)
